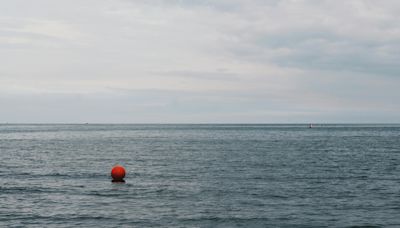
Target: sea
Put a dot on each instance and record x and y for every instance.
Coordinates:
(200, 175)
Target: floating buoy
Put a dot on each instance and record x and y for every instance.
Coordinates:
(118, 173)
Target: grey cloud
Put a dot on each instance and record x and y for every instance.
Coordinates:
(327, 40)
(217, 74)
(324, 50)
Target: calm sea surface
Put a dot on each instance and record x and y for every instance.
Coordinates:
(200, 176)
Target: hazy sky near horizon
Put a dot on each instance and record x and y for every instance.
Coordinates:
(169, 61)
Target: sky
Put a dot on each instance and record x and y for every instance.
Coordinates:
(193, 61)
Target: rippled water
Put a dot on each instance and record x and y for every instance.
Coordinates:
(200, 175)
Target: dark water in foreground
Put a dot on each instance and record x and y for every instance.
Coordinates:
(200, 176)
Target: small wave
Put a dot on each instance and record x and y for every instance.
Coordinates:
(24, 190)
(364, 226)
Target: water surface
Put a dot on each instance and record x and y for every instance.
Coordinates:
(200, 175)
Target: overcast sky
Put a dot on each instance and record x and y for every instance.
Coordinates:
(193, 61)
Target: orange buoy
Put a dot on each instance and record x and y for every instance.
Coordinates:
(118, 173)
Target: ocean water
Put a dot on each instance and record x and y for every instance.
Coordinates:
(200, 176)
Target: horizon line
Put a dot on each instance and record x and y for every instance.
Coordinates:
(204, 123)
